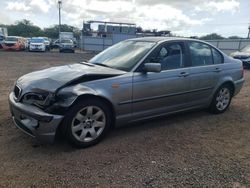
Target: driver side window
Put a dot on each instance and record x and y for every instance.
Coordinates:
(170, 56)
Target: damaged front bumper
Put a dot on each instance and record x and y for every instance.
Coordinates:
(33, 121)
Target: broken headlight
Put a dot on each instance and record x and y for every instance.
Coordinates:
(39, 99)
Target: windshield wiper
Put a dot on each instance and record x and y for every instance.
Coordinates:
(103, 65)
(85, 63)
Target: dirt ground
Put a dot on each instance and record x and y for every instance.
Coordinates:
(186, 150)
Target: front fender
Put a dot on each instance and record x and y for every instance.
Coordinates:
(67, 96)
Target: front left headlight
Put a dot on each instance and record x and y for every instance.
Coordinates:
(38, 99)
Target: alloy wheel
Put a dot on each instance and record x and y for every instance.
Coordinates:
(88, 123)
(223, 99)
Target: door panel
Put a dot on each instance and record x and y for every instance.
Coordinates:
(204, 72)
(202, 82)
(157, 93)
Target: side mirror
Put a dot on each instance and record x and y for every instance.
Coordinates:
(152, 67)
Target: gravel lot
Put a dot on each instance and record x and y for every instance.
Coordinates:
(186, 150)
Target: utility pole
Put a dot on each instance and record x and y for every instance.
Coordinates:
(59, 7)
(248, 36)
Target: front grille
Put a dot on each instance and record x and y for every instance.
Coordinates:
(9, 44)
(17, 91)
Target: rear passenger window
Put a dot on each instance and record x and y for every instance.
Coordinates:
(200, 54)
(218, 59)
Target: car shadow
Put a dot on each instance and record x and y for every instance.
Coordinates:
(130, 129)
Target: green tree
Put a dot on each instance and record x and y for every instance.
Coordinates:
(211, 36)
(24, 28)
(53, 32)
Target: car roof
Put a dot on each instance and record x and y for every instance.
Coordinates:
(163, 39)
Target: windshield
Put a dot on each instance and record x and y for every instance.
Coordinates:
(12, 39)
(37, 40)
(124, 55)
(246, 49)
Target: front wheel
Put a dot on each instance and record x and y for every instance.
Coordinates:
(87, 123)
(222, 99)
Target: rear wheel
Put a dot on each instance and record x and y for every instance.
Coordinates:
(222, 99)
(87, 123)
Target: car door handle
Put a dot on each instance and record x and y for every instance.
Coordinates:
(217, 70)
(183, 74)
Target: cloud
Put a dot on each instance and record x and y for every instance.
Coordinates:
(5, 19)
(230, 5)
(34, 6)
(17, 6)
(163, 17)
(219, 6)
(177, 16)
(40, 5)
(160, 16)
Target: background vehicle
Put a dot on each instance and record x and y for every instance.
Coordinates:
(47, 43)
(55, 44)
(1, 40)
(66, 45)
(37, 44)
(13, 43)
(27, 43)
(133, 80)
(243, 55)
(3, 35)
(64, 35)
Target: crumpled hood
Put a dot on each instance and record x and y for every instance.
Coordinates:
(54, 78)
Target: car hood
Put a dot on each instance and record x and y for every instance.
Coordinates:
(240, 54)
(55, 78)
(67, 43)
(10, 42)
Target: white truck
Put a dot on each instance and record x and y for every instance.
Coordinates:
(62, 36)
(66, 35)
(3, 35)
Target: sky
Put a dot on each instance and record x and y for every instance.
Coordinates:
(181, 17)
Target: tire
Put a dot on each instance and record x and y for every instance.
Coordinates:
(83, 128)
(222, 99)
